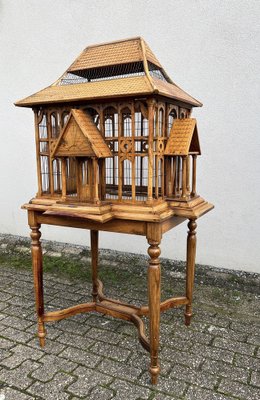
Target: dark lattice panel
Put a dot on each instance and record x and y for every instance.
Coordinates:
(112, 72)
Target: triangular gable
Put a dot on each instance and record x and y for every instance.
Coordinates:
(81, 138)
(183, 138)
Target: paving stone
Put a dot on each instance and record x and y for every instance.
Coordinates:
(239, 390)
(196, 393)
(80, 356)
(226, 370)
(226, 333)
(20, 312)
(252, 339)
(19, 377)
(6, 344)
(21, 353)
(126, 390)
(100, 392)
(181, 357)
(3, 306)
(142, 360)
(119, 370)
(5, 296)
(212, 352)
(22, 301)
(104, 335)
(8, 393)
(50, 365)
(110, 351)
(161, 396)
(255, 378)
(252, 329)
(52, 332)
(87, 380)
(99, 321)
(50, 347)
(244, 361)
(237, 347)
(192, 336)
(168, 385)
(69, 325)
(18, 323)
(74, 340)
(189, 375)
(16, 335)
(53, 390)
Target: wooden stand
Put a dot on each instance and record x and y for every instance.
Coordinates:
(153, 232)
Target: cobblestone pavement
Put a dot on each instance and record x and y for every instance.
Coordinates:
(91, 356)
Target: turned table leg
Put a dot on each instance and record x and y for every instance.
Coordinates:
(190, 267)
(154, 293)
(38, 279)
(94, 262)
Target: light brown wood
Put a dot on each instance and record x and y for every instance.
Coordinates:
(37, 276)
(94, 262)
(190, 268)
(154, 285)
(114, 142)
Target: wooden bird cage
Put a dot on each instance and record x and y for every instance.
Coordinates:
(115, 142)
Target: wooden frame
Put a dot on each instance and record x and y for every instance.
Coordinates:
(153, 233)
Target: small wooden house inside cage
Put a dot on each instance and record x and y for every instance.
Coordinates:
(115, 142)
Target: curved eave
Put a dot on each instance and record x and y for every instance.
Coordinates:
(107, 89)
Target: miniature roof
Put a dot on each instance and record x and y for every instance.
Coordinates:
(183, 138)
(80, 137)
(116, 69)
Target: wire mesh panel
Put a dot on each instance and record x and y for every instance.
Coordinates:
(45, 174)
(55, 126)
(56, 173)
(171, 117)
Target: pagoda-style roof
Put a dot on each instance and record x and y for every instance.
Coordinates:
(80, 137)
(111, 70)
(183, 138)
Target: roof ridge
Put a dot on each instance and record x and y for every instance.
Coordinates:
(113, 42)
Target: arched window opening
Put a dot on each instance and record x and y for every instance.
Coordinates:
(111, 122)
(64, 118)
(54, 126)
(94, 114)
(127, 123)
(172, 116)
(43, 132)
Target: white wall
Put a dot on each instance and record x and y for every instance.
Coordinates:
(210, 48)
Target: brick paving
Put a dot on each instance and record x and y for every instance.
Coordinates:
(91, 356)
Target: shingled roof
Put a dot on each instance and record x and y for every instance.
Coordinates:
(80, 137)
(110, 70)
(183, 138)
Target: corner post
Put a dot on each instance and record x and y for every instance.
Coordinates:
(36, 251)
(190, 267)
